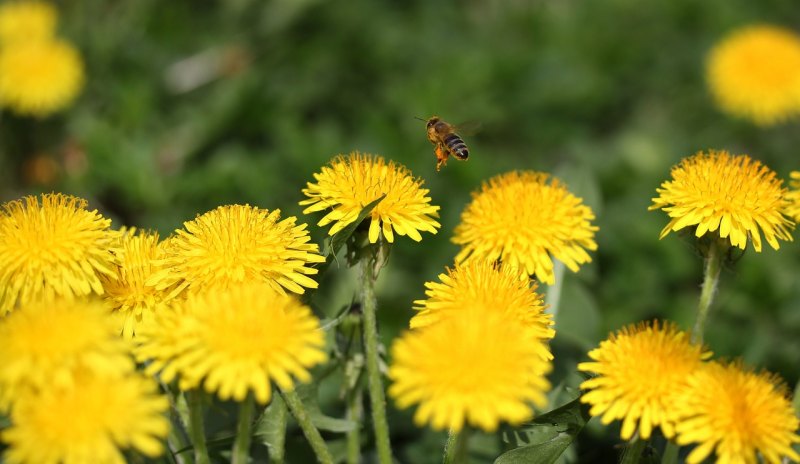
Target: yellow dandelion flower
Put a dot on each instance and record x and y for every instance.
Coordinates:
(39, 77)
(755, 73)
(352, 182)
(734, 196)
(93, 422)
(793, 197)
(636, 370)
(234, 341)
(46, 343)
(482, 287)
(524, 220)
(131, 299)
(235, 244)
(26, 21)
(739, 413)
(53, 248)
(479, 368)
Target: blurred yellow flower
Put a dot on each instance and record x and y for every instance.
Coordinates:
(233, 342)
(482, 287)
(131, 299)
(235, 244)
(636, 371)
(793, 197)
(479, 368)
(53, 248)
(755, 73)
(26, 21)
(352, 182)
(46, 344)
(737, 412)
(39, 77)
(91, 422)
(733, 196)
(524, 220)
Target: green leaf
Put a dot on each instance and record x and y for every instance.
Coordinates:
(578, 318)
(333, 245)
(547, 437)
(308, 395)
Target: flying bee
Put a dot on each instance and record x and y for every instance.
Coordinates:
(445, 141)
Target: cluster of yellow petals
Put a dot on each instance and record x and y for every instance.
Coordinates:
(53, 247)
(735, 197)
(478, 350)
(39, 73)
(69, 385)
(352, 182)
(231, 245)
(738, 413)
(525, 220)
(636, 371)
(476, 368)
(755, 73)
(233, 342)
(132, 300)
(484, 287)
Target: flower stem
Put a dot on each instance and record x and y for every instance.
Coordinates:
(375, 384)
(194, 399)
(277, 452)
(241, 446)
(553, 296)
(355, 412)
(670, 454)
(309, 430)
(633, 452)
(710, 279)
(455, 449)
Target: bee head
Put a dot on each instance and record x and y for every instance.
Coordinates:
(433, 120)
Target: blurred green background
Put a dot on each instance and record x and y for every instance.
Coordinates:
(194, 104)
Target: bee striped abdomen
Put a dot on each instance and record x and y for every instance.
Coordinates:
(457, 146)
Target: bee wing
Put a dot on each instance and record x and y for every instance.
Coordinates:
(468, 127)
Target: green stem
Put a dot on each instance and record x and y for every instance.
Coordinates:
(553, 295)
(241, 446)
(670, 455)
(455, 449)
(277, 452)
(355, 412)
(370, 330)
(194, 399)
(309, 430)
(633, 452)
(710, 279)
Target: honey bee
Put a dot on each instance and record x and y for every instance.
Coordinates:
(445, 141)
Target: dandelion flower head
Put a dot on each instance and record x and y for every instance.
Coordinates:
(235, 244)
(131, 299)
(735, 197)
(636, 370)
(352, 182)
(93, 422)
(483, 287)
(39, 77)
(46, 343)
(55, 247)
(478, 369)
(755, 73)
(26, 21)
(233, 342)
(525, 220)
(737, 413)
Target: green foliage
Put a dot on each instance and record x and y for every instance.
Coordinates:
(191, 105)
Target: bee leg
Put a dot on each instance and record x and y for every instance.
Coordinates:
(441, 156)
